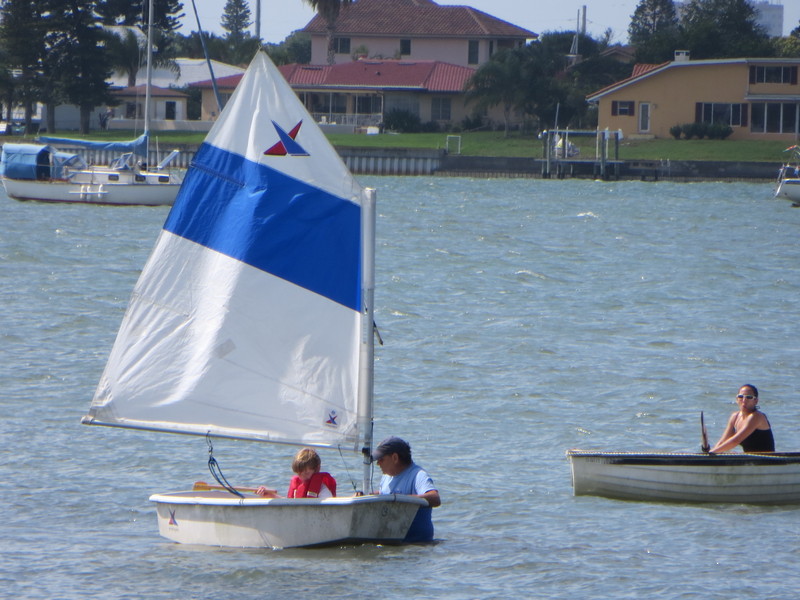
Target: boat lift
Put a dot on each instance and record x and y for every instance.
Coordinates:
(559, 162)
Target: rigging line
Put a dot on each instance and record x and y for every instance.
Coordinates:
(216, 471)
(349, 476)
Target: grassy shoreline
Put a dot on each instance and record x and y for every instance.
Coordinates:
(492, 143)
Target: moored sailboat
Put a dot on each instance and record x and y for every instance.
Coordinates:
(252, 319)
(41, 172)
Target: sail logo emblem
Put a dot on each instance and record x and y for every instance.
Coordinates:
(332, 416)
(172, 520)
(287, 143)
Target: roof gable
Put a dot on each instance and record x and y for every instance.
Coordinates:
(417, 18)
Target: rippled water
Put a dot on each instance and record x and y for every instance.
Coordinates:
(520, 318)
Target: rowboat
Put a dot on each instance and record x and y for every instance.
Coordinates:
(748, 478)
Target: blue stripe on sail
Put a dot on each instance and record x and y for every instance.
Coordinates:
(272, 222)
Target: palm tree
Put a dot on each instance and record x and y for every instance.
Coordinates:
(497, 81)
(127, 48)
(329, 10)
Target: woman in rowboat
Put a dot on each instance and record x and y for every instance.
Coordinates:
(747, 426)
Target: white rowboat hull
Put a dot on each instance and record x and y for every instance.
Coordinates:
(727, 478)
(218, 518)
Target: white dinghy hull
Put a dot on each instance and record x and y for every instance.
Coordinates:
(772, 478)
(218, 518)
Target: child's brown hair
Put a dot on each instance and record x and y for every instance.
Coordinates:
(304, 459)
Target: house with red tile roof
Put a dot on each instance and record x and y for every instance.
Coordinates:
(414, 30)
(359, 93)
(411, 55)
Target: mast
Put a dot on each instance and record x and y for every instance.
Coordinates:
(149, 80)
(367, 349)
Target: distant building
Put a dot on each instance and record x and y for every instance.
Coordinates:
(769, 15)
(758, 98)
(414, 30)
(355, 95)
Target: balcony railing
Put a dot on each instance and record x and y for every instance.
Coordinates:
(362, 120)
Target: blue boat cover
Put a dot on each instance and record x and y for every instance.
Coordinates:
(137, 146)
(33, 161)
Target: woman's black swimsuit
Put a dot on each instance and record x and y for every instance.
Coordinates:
(760, 440)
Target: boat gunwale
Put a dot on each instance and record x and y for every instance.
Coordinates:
(223, 498)
(689, 458)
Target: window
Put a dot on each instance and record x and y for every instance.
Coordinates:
(472, 52)
(773, 74)
(341, 45)
(440, 109)
(622, 108)
(366, 105)
(405, 47)
(170, 109)
(775, 117)
(734, 115)
(402, 102)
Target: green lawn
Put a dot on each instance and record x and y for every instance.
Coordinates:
(490, 143)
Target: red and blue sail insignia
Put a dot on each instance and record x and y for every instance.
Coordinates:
(172, 520)
(332, 416)
(287, 143)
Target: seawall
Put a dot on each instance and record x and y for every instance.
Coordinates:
(421, 161)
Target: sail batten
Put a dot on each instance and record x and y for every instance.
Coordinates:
(247, 319)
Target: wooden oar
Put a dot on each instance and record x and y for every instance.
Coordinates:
(703, 435)
(202, 486)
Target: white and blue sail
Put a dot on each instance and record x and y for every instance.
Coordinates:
(251, 318)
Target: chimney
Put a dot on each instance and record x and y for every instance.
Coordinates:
(681, 55)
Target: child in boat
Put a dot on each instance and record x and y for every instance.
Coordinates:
(747, 426)
(309, 481)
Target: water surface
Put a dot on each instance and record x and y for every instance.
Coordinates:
(520, 318)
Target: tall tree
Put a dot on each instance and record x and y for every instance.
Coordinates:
(329, 10)
(654, 31)
(22, 31)
(236, 20)
(75, 46)
(497, 82)
(166, 13)
(296, 48)
(724, 29)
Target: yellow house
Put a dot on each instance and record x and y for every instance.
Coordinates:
(758, 98)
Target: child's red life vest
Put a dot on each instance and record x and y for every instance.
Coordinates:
(301, 489)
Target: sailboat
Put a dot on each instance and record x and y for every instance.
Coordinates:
(40, 172)
(252, 319)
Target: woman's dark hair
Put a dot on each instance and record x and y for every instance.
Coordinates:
(752, 387)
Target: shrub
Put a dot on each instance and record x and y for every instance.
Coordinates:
(719, 131)
(430, 127)
(676, 131)
(402, 121)
(473, 122)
